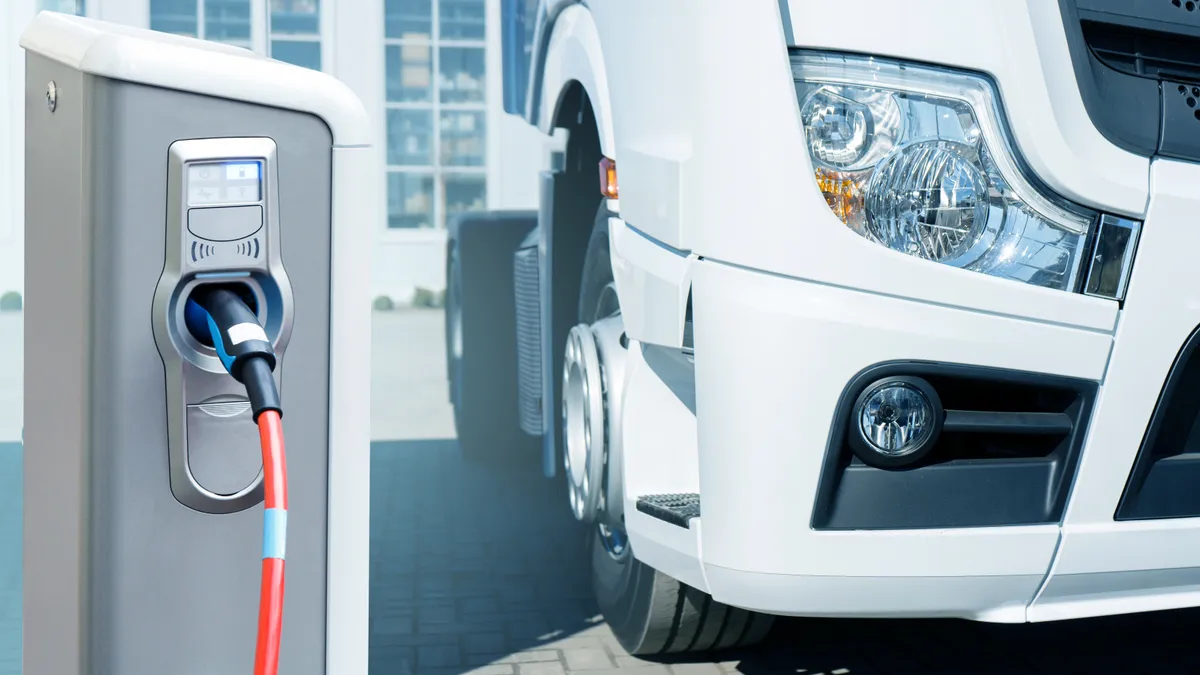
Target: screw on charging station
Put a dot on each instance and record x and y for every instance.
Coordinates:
(51, 96)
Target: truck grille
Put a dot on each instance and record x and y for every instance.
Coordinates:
(529, 339)
(1136, 64)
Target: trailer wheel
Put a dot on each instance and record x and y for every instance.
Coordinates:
(649, 612)
(480, 322)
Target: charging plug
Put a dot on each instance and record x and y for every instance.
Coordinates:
(240, 343)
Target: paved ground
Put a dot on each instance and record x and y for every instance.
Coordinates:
(478, 570)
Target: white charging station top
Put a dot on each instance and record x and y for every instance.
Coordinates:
(171, 61)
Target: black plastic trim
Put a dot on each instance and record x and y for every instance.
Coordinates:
(1125, 109)
(1136, 70)
(1007, 422)
(957, 493)
(1165, 479)
(676, 509)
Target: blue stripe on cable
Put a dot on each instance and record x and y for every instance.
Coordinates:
(274, 533)
(219, 343)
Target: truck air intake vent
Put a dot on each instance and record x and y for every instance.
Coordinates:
(1190, 96)
(529, 336)
(1144, 53)
(1003, 453)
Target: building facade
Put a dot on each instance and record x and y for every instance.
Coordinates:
(428, 72)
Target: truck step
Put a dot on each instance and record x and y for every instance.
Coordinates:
(676, 509)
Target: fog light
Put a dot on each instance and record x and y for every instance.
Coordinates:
(896, 421)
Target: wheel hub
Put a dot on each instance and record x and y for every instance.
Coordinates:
(593, 369)
(583, 422)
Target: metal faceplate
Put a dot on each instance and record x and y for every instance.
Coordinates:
(222, 227)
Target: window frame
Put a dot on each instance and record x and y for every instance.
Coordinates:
(436, 107)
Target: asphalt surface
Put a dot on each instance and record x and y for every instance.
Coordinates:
(478, 569)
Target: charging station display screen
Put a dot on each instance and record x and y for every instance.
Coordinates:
(212, 183)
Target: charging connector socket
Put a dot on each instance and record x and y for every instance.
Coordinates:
(196, 319)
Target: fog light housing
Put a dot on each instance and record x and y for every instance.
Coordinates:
(895, 422)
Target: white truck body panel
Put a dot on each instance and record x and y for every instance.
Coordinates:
(697, 103)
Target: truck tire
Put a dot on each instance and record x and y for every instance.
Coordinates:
(480, 321)
(649, 612)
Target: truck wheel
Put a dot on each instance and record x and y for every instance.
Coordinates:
(480, 322)
(649, 612)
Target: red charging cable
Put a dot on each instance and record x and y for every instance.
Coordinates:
(270, 602)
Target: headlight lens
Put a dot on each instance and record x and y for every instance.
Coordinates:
(917, 159)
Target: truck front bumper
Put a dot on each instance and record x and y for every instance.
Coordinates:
(773, 357)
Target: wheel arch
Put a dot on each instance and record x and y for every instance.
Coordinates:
(574, 59)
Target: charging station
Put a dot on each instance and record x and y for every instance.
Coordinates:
(159, 167)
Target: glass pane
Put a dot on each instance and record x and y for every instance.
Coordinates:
(306, 54)
(174, 16)
(409, 73)
(410, 200)
(410, 137)
(408, 18)
(461, 79)
(461, 19)
(295, 17)
(227, 20)
(463, 138)
(464, 193)
(76, 7)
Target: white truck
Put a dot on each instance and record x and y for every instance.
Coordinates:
(868, 308)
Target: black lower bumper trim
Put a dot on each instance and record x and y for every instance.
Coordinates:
(1007, 454)
(1165, 480)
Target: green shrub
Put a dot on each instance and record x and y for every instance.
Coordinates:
(10, 302)
(423, 297)
(384, 304)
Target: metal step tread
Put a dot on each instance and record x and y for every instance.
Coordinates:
(676, 509)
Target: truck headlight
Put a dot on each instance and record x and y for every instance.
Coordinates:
(918, 159)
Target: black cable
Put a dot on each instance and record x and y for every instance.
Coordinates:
(240, 343)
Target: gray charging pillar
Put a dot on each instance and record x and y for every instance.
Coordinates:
(143, 492)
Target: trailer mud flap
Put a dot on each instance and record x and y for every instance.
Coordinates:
(567, 205)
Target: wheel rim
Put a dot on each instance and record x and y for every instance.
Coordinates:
(583, 423)
(593, 374)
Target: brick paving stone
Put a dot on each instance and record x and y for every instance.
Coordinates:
(492, 669)
(651, 669)
(544, 668)
(434, 656)
(540, 655)
(483, 643)
(624, 660)
(582, 658)
(696, 669)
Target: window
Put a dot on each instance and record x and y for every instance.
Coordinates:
(306, 54)
(461, 75)
(76, 7)
(409, 135)
(465, 192)
(291, 28)
(227, 21)
(410, 200)
(408, 19)
(436, 111)
(218, 20)
(409, 73)
(461, 19)
(462, 138)
(517, 25)
(295, 30)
